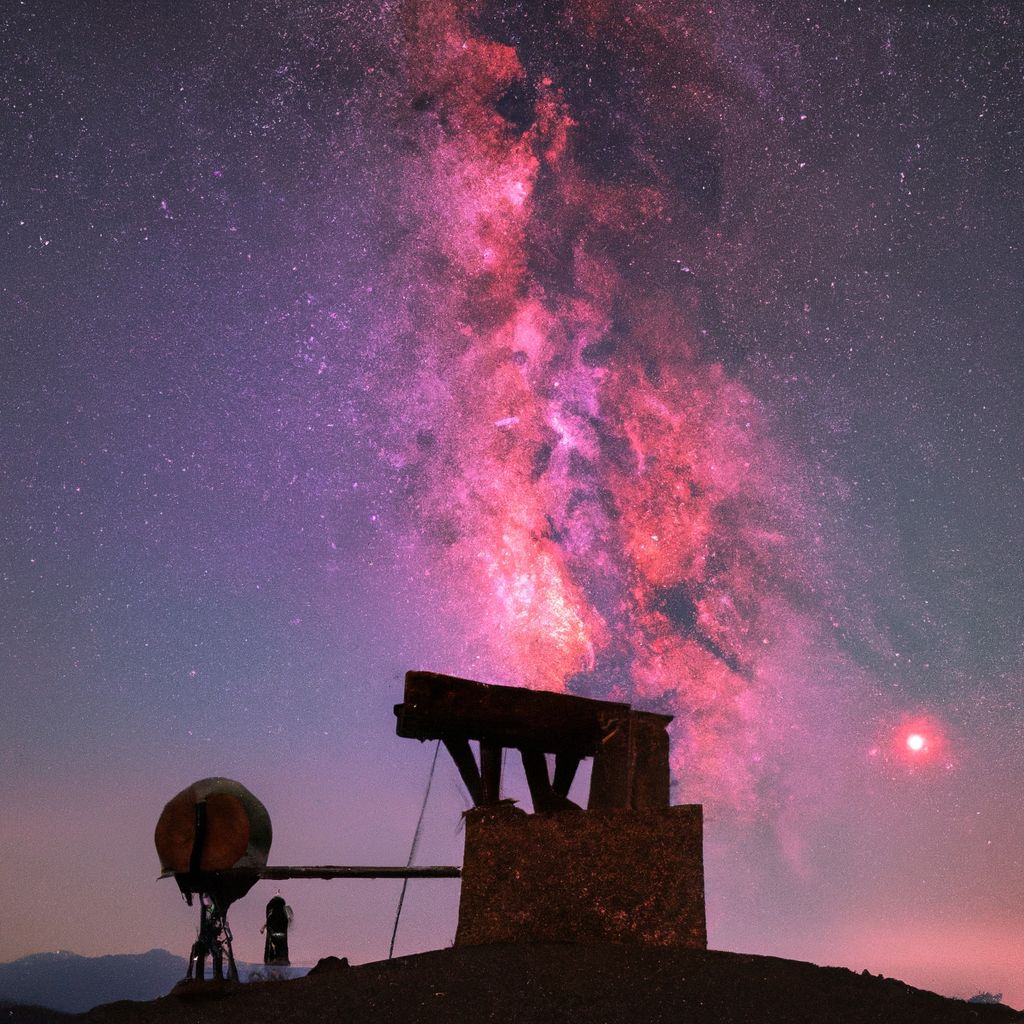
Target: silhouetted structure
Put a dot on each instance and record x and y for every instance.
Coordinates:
(279, 917)
(627, 869)
(213, 837)
(213, 941)
(629, 748)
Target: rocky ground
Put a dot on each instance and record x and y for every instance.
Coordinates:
(553, 984)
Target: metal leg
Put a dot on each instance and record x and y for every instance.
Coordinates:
(194, 962)
(226, 931)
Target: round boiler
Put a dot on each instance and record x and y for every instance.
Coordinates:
(214, 837)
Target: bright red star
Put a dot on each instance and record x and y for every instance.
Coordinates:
(917, 743)
(918, 740)
(914, 743)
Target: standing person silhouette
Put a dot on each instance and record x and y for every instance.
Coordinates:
(279, 917)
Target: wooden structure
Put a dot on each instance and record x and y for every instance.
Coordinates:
(629, 748)
(281, 872)
(629, 868)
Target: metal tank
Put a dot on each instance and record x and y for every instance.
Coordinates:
(213, 838)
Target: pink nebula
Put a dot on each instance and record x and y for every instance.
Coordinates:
(605, 503)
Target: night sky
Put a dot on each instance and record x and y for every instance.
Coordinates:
(663, 352)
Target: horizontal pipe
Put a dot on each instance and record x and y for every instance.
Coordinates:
(279, 872)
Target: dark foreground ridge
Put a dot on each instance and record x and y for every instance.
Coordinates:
(561, 984)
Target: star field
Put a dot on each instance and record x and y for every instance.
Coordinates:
(666, 352)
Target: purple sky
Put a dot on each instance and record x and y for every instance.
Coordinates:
(670, 353)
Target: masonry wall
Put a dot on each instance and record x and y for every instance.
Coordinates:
(579, 876)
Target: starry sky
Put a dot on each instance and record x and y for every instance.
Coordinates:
(663, 352)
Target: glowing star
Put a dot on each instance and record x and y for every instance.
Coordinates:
(918, 742)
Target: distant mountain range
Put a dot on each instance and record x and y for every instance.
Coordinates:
(66, 981)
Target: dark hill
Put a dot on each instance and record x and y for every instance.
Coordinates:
(73, 984)
(566, 984)
(66, 981)
(22, 1013)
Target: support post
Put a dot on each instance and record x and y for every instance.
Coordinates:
(565, 772)
(536, 767)
(490, 771)
(462, 755)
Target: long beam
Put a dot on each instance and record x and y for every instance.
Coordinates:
(440, 707)
(280, 872)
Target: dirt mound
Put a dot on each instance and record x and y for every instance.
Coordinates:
(563, 984)
(22, 1013)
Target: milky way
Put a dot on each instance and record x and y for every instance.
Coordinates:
(608, 498)
(666, 351)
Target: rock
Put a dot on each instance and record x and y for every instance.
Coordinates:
(329, 965)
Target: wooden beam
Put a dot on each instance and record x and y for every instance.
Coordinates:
(565, 772)
(437, 706)
(631, 769)
(630, 747)
(462, 755)
(281, 872)
(490, 771)
(536, 767)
